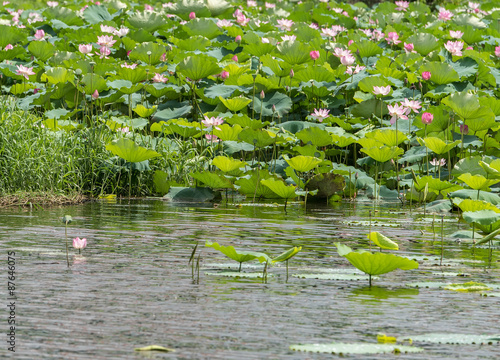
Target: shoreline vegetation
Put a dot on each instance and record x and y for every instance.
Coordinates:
(274, 100)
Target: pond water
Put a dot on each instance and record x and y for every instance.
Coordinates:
(132, 285)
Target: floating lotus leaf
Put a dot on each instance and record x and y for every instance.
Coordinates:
(377, 263)
(197, 67)
(193, 43)
(447, 338)
(226, 164)
(280, 188)
(315, 136)
(235, 104)
(382, 241)
(470, 286)
(437, 145)
(384, 153)
(227, 132)
(424, 43)
(213, 180)
(333, 276)
(239, 256)
(287, 254)
(477, 182)
(154, 348)
(356, 348)
(481, 217)
(442, 73)
(303, 163)
(130, 151)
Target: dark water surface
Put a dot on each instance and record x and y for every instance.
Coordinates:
(132, 286)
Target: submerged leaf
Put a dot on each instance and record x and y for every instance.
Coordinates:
(356, 348)
(154, 348)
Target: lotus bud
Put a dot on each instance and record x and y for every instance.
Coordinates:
(95, 95)
(291, 73)
(426, 75)
(224, 75)
(464, 129)
(314, 55)
(192, 15)
(238, 39)
(262, 94)
(274, 108)
(427, 118)
(235, 58)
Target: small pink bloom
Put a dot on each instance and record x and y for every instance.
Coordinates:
(79, 243)
(469, 48)
(497, 51)
(382, 90)
(454, 47)
(124, 130)
(320, 114)
(292, 73)
(445, 15)
(436, 162)
(409, 48)
(285, 24)
(212, 138)
(49, 3)
(238, 39)
(9, 47)
(224, 75)
(397, 112)
(456, 34)
(192, 15)
(224, 23)
(235, 58)
(392, 38)
(95, 95)
(426, 75)
(412, 105)
(159, 78)
(262, 94)
(85, 48)
(105, 40)
(351, 70)
(212, 121)
(104, 51)
(39, 34)
(128, 52)
(402, 5)
(314, 54)
(289, 38)
(163, 57)
(122, 31)
(24, 71)
(349, 43)
(148, 7)
(427, 118)
(347, 60)
(107, 29)
(131, 66)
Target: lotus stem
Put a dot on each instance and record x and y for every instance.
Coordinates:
(130, 182)
(426, 151)
(239, 269)
(442, 242)
(66, 236)
(286, 270)
(370, 279)
(370, 230)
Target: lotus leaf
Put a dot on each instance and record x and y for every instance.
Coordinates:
(389, 137)
(202, 26)
(227, 132)
(287, 254)
(368, 108)
(147, 52)
(197, 67)
(258, 138)
(235, 104)
(463, 104)
(481, 217)
(42, 50)
(281, 102)
(442, 73)
(424, 43)
(212, 180)
(488, 237)
(437, 145)
(377, 263)
(303, 163)
(280, 188)
(294, 52)
(315, 136)
(447, 338)
(356, 348)
(226, 164)
(143, 111)
(239, 256)
(382, 241)
(470, 286)
(384, 153)
(129, 151)
(478, 182)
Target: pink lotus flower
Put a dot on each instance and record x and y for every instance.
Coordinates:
(212, 138)
(289, 38)
(39, 34)
(426, 75)
(497, 51)
(24, 71)
(159, 78)
(397, 112)
(285, 24)
(436, 162)
(106, 41)
(320, 114)
(224, 23)
(104, 51)
(107, 29)
(85, 48)
(427, 118)
(392, 38)
(445, 15)
(242, 19)
(314, 26)
(351, 70)
(212, 121)
(474, 7)
(329, 32)
(95, 95)
(192, 15)
(235, 58)
(124, 130)
(163, 57)
(454, 47)
(412, 105)
(122, 31)
(49, 3)
(131, 66)
(464, 129)
(262, 95)
(251, 3)
(238, 39)
(224, 75)
(456, 34)
(9, 47)
(402, 5)
(339, 52)
(79, 243)
(148, 8)
(269, 5)
(378, 35)
(382, 90)
(347, 60)
(314, 55)
(409, 48)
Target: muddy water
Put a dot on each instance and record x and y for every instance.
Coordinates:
(132, 287)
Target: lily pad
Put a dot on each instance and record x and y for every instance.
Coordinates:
(447, 338)
(154, 348)
(356, 348)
